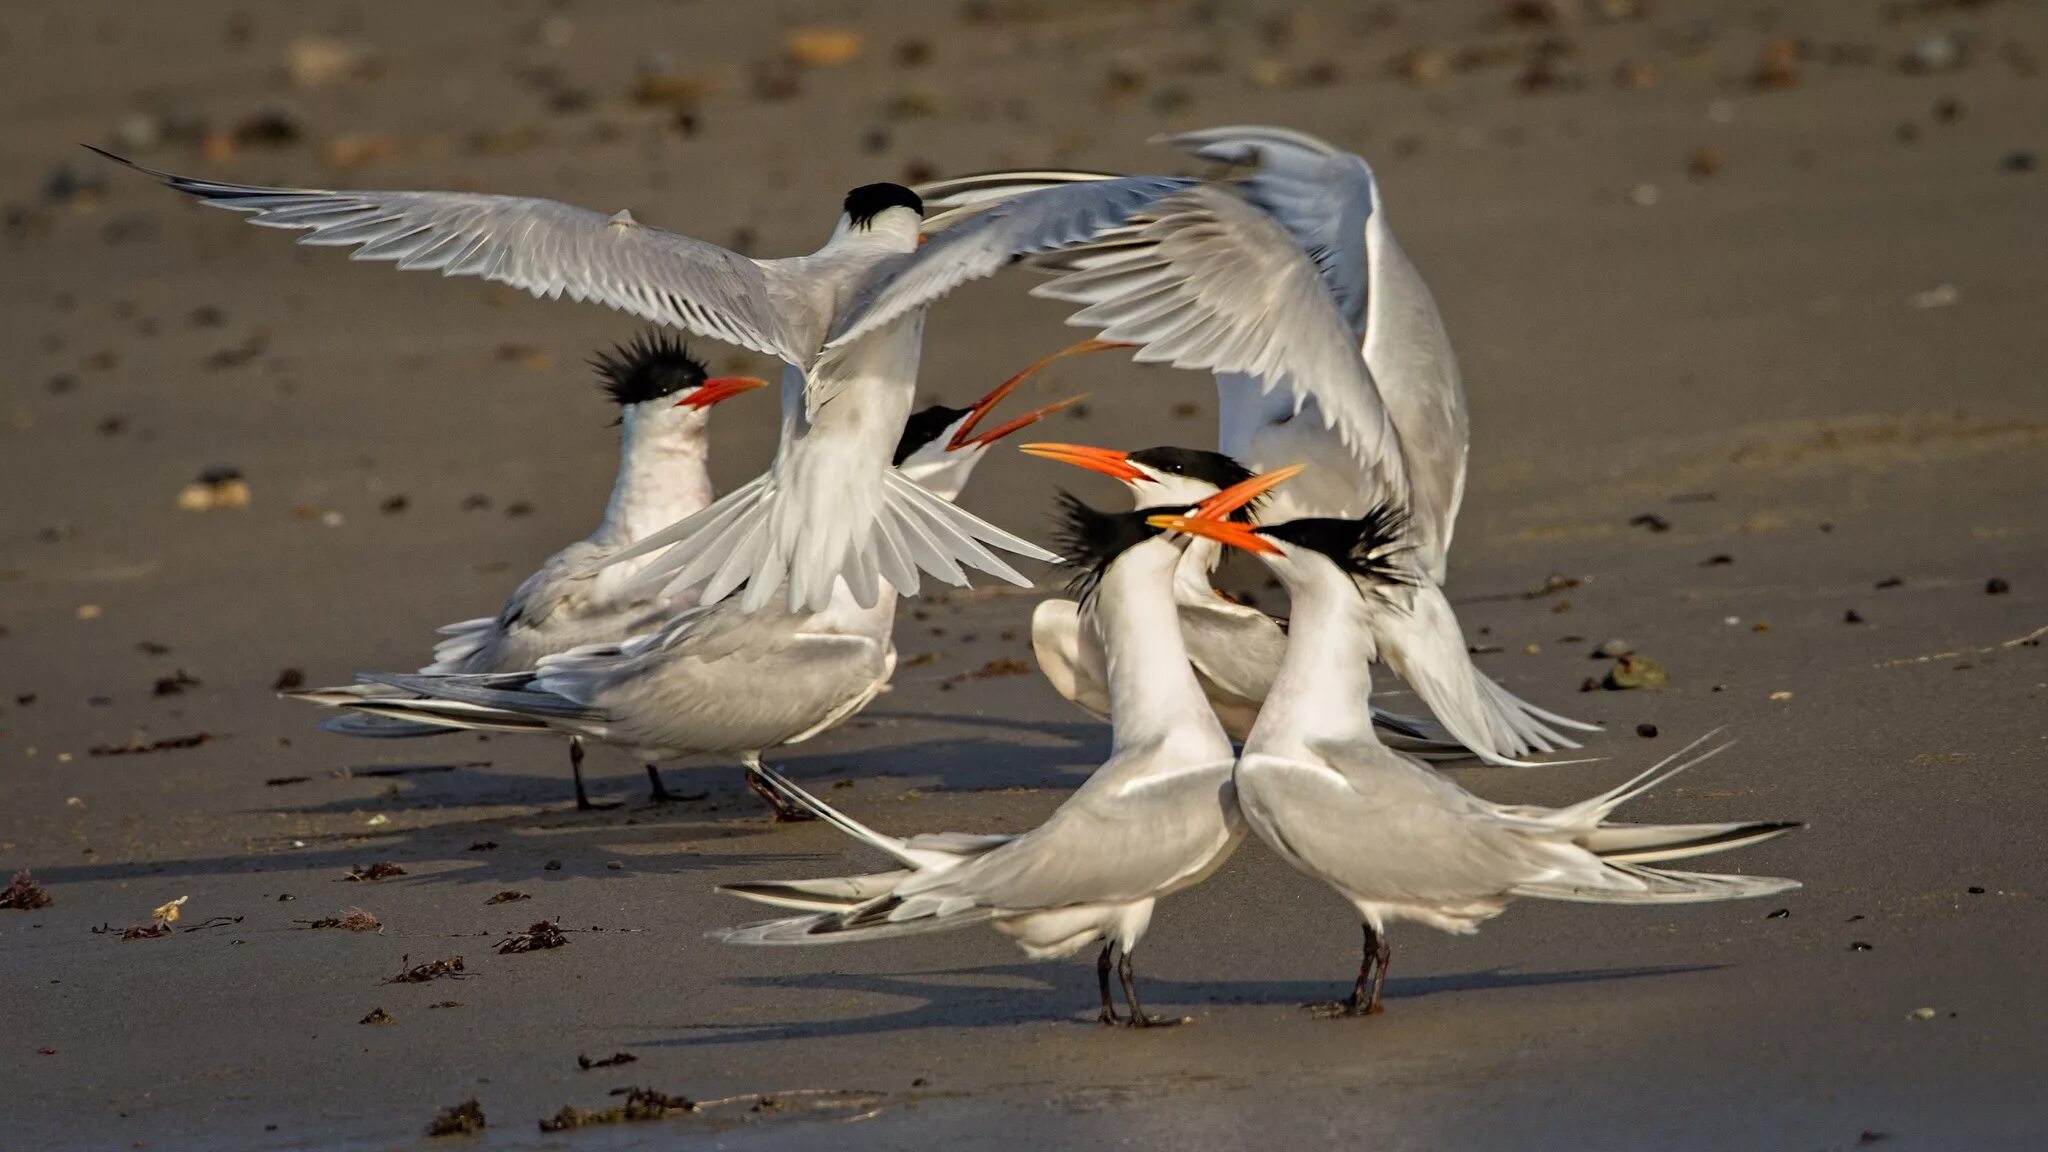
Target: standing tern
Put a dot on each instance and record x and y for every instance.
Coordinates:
(664, 396)
(712, 679)
(1155, 818)
(1235, 649)
(847, 321)
(1399, 841)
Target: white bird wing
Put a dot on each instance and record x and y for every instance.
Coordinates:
(1321, 194)
(1040, 220)
(1224, 288)
(543, 246)
(1109, 843)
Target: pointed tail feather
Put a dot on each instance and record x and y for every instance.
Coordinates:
(740, 540)
(1652, 843)
(377, 726)
(895, 848)
(827, 928)
(833, 894)
(1426, 648)
(1636, 884)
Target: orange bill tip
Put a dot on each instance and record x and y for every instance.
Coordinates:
(1107, 461)
(1244, 492)
(1230, 532)
(719, 388)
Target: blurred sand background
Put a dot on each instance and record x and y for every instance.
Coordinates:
(1749, 299)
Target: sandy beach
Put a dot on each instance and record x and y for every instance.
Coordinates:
(1748, 300)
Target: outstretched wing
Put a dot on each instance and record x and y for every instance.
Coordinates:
(543, 246)
(1321, 194)
(1222, 286)
(1040, 220)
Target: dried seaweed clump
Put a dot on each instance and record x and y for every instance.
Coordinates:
(458, 1120)
(545, 934)
(641, 1104)
(24, 894)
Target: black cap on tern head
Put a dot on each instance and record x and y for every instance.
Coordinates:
(1199, 464)
(655, 364)
(1369, 547)
(868, 201)
(924, 426)
(1091, 540)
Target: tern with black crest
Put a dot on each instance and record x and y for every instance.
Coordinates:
(1395, 839)
(711, 679)
(664, 397)
(1154, 819)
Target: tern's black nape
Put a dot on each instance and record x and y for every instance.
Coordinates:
(868, 201)
(655, 364)
(1369, 547)
(924, 426)
(1091, 540)
(1199, 464)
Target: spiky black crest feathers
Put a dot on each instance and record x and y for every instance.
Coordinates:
(1370, 547)
(653, 365)
(1091, 540)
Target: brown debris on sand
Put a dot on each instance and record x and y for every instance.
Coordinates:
(353, 919)
(458, 1120)
(612, 1061)
(544, 934)
(24, 894)
(138, 747)
(381, 870)
(379, 1017)
(641, 1104)
(508, 896)
(432, 970)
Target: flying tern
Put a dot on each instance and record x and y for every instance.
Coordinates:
(710, 679)
(1157, 817)
(847, 321)
(1401, 842)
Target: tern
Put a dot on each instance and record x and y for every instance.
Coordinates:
(711, 679)
(1327, 350)
(829, 506)
(1157, 817)
(1235, 648)
(664, 396)
(1401, 842)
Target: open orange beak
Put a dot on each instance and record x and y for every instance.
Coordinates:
(720, 388)
(981, 407)
(1208, 520)
(1107, 461)
(1223, 531)
(1244, 492)
(1009, 426)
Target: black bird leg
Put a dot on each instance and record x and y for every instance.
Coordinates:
(1372, 976)
(657, 792)
(1127, 973)
(1108, 1014)
(583, 802)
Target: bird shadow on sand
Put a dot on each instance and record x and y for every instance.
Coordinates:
(1003, 995)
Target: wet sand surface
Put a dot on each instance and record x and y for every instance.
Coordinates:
(1786, 300)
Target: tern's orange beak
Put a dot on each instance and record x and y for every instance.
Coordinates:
(1244, 492)
(1009, 426)
(982, 406)
(719, 388)
(1107, 461)
(1223, 531)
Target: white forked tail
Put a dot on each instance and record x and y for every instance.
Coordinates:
(749, 538)
(1625, 850)
(1426, 648)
